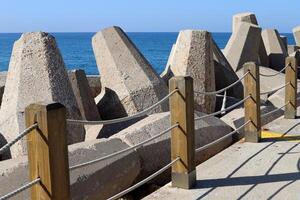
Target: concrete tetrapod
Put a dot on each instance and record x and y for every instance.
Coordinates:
(193, 56)
(243, 45)
(36, 74)
(275, 48)
(130, 83)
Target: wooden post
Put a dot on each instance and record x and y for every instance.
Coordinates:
(47, 151)
(252, 104)
(290, 111)
(183, 137)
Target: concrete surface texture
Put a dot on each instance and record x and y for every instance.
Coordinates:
(97, 181)
(267, 170)
(167, 74)
(95, 84)
(296, 32)
(193, 57)
(36, 74)
(284, 41)
(102, 180)
(265, 85)
(224, 74)
(130, 82)
(243, 17)
(155, 154)
(275, 48)
(243, 45)
(292, 48)
(235, 118)
(251, 18)
(2, 84)
(83, 95)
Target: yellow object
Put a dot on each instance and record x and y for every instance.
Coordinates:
(281, 136)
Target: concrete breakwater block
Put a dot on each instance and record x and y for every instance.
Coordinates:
(265, 85)
(95, 84)
(243, 45)
(296, 32)
(2, 84)
(167, 74)
(83, 95)
(292, 49)
(93, 81)
(36, 74)
(235, 118)
(131, 82)
(275, 48)
(284, 40)
(224, 74)
(156, 154)
(97, 181)
(193, 56)
(237, 19)
(251, 19)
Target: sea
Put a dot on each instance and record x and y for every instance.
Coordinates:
(76, 48)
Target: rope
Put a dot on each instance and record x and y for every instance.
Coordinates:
(143, 181)
(226, 88)
(124, 150)
(273, 111)
(222, 138)
(17, 191)
(274, 90)
(225, 110)
(113, 121)
(20, 136)
(224, 103)
(270, 75)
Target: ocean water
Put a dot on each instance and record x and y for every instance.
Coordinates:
(77, 50)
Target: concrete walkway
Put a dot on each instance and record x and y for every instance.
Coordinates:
(268, 170)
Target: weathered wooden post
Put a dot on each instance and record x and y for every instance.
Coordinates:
(183, 137)
(290, 111)
(47, 151)
(252, 104)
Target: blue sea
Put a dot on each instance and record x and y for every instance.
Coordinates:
(77, 50)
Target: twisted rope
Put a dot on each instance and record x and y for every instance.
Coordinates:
(270, 75)
(124, 150)
(20, 136)
(17, 191)
(273, 111)
(221, 138)
(226, 88)
(113, 121)
(143, 181)
(225, 110)
(274, 90)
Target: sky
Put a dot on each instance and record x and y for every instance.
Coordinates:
(142, 15)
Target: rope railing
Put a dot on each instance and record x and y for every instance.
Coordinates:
(223, 110)
(273, 111)
(275, 74)
(224, 89)
(222, 138)
(124, 150)
(144, 181)
(20, 189)
(19, 137)
(113, 121)
(275, 90)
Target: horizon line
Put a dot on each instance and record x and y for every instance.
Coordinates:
(124, 31)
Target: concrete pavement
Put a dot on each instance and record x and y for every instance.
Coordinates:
(267, 170)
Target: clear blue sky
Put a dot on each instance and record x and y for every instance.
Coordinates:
(142, 15)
